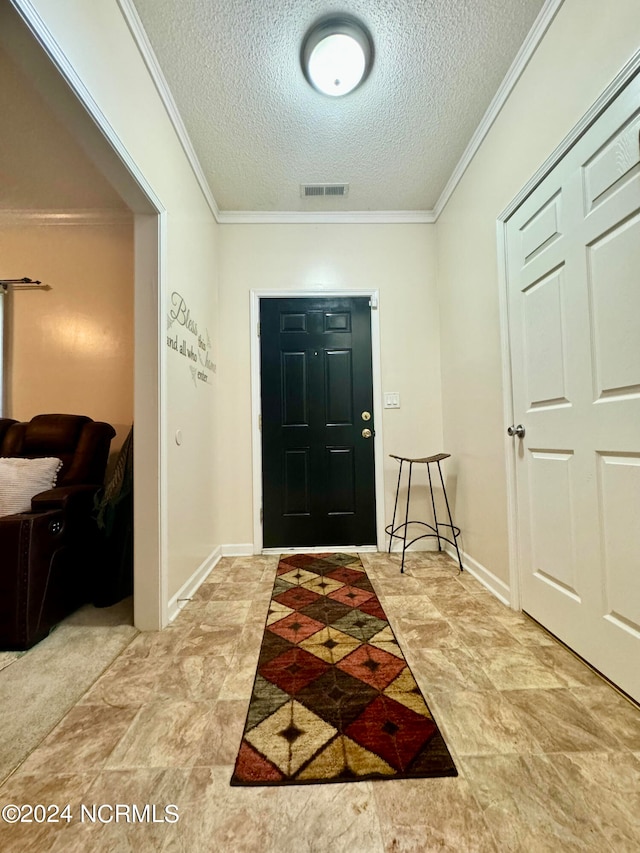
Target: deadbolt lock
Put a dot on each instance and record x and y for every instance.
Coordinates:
(366, 416)
(366, 433)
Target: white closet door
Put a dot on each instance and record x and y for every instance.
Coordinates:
(573, 270)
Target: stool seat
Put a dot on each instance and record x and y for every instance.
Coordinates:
(437, 458)
(392, 529)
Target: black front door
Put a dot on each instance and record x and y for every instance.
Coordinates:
(318, 481)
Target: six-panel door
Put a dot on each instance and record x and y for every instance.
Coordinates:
(574, 315)
(317, 398)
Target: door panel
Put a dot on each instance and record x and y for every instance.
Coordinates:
(543, 319)
(573, 260)
(613, 264)
(552, 519)
(295, 410)
(338, 387)
(316, 378)
(296, 497)
(341, 481)
(619, 485)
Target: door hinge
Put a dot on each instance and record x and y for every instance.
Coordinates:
(261, 515)
(373, 302)
(260, 422)
(258, 329)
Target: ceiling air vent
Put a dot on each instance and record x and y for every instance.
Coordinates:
(320, 190)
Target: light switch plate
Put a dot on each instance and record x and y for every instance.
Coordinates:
(391, 400)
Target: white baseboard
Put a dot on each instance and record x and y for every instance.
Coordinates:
(245, 550)
(324, 549)
(488, 580)
(187, 590)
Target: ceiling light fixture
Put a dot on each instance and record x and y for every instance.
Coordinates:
(337, 54)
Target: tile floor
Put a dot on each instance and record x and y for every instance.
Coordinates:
(548, 754)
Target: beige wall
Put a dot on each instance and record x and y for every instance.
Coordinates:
(193, 469)
(587, 44)
(399, 260)
(95, 40)
(71, 347)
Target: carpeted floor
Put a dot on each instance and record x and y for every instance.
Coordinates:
(7, 658)
(334, 699)
(39, 686)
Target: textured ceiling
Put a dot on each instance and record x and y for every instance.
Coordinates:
(259, 130)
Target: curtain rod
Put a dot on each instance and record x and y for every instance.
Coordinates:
(24, 283)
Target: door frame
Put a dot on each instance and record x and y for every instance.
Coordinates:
(622, 79)
(150, 512)
(256, 388)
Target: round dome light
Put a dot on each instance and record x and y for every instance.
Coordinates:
(336, 56)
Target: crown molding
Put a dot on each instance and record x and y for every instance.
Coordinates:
(19, 217)
(529, 46)
(352, 217)
(137, 30)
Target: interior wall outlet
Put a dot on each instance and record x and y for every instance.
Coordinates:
(391, 400)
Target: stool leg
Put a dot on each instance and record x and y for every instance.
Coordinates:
(455, 538)
(433, 504)
(395, 507)
(406, 518)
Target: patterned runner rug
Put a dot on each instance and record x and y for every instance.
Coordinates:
(333, 698)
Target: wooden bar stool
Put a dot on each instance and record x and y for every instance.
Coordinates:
(392, 529)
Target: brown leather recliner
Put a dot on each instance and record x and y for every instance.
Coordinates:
(46, 554)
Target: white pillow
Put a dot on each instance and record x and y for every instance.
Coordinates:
(21, 479)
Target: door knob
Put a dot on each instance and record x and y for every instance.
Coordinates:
(366, 416)
(366, 433)
(518, 431)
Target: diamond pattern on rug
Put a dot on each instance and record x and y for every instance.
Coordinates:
(385, 639)
(373, 608)
(334, 699)
(296, 627)
(323, 585)
(405, 690)
(292, 736)
(346, 761)
(360, 625)
(346, 575)
(330, 644)
(351, 595)
(293, 669)
(373, 666)
(298, 576)
(277, 611)
(326, 610)
(297, 597)
(280, 586)
(267, 698)
(395, 732)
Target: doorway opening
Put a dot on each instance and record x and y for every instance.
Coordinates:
(62, 94)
